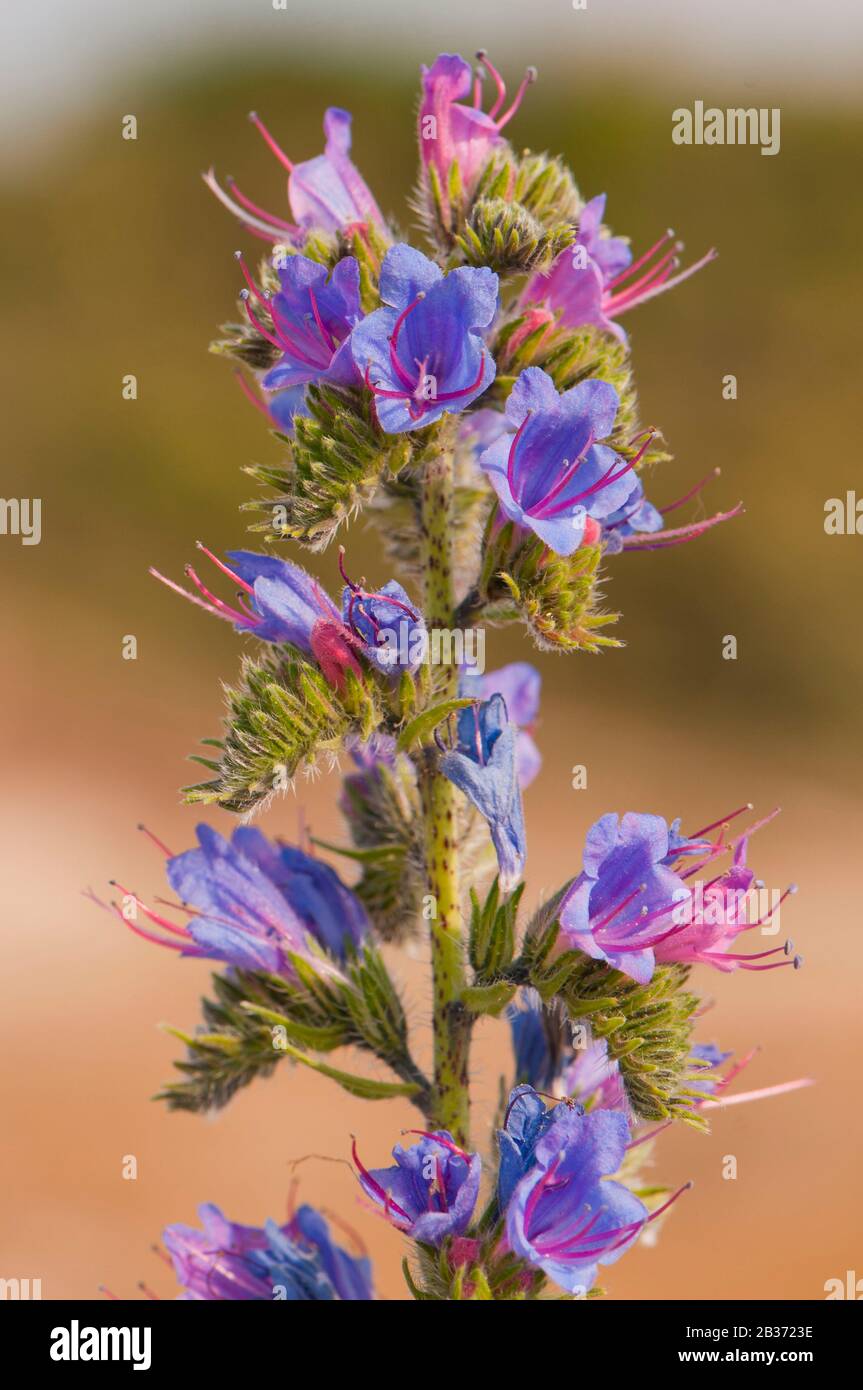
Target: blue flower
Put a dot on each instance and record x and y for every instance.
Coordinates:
(254, 903)
(565, 1216)
(519, 683)
(482, 764)
(313, 314)
(623, 902)
(298, 1262)
(392, 632)
(638, 525)
(551, 475)
(279, 601)
(420, 355)
(527, 1120)
(431, 1191)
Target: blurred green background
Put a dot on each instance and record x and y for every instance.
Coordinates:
(117, 260)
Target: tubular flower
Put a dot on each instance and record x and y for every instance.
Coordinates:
(596, 279)
(565, 1216)
(393, 634)
(280, 602)
(550, 474)
(451, 131)
(326, 193)
(421, 355)
(253, 903)
(519, 684)
(295, 1262)
(431, 1191)
(632, 905)
(526, 1120)
(482, 764)
(312, 316)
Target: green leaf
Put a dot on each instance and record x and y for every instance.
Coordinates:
(487, 999)
(361, 1086)
(418, 730)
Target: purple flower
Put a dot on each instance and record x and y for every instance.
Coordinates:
(325, 193)
(295, 1262)
(253, 903)
(620, 906)
(632, 905)
(313, 315)
(393, 634)
(482, 764)
(565, 1217)
(591, 282)
(421, 356)
(527, 1119)
(453, 132)
(430, 1192)
(551, 475)
(280, 602)
(519, 683)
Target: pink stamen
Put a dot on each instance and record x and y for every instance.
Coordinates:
(650, 278)
(465, 390)
(265, 230)
(257, 325)
(322, 328)
(668, 284)
(725, 820)
(251, 395)
(259, 211)
(693, 492)
(178, 589)
(375, 1186)
(235, 578)
(233, 614)
(743, 1097)
(642, 260)
(682, 534)
(493, 73)
(529, 77)
(157, 842)
(249, 279)
(276, 148)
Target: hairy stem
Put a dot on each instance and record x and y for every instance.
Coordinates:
(450, 1099)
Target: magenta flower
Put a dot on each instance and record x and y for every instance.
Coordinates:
(326, 193)
(595, 280)
(632, 905)
(453, 132)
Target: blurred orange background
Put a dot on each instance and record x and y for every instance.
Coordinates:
(118, 261)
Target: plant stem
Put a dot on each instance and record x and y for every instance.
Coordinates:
(450, 1099)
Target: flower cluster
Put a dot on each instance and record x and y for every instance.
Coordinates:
(477, 399)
